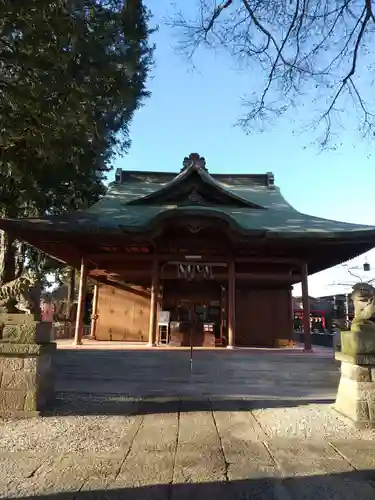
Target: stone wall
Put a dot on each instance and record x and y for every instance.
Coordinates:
(26, 378)
(26, 365)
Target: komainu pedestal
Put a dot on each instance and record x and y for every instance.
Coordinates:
(356, 391)
(26, 365)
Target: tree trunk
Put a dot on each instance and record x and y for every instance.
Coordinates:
(7, 258)
(71, 291)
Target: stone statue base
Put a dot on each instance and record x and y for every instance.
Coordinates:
(26, 366)
(356, 392)
(24, 329)
(359, 340)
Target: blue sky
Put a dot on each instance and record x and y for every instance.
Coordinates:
(195, 110)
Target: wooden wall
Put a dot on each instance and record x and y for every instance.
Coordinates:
(262, 316)
(123, 314)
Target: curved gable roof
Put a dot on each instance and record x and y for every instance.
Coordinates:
(252, 203)
(190, 185)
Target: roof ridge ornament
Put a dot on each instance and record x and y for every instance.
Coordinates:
(270, 180)
(194, 160)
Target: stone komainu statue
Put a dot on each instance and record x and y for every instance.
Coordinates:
(22, 294)
(363, 297)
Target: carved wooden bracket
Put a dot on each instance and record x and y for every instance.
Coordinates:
(194, 228)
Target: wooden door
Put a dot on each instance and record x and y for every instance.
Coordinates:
(123, 315)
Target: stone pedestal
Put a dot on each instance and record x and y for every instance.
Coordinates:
(26, 366)
(356, 392)
(24, 329)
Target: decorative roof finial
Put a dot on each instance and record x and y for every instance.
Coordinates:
(193, 160)
(270, 180)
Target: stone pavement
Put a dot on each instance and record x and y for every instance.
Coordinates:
(252, 425)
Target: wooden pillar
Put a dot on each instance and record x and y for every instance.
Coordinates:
(81, 303)
(231, 305)
(153, 303)
(94, 314)
(291, 315)
(306, 307)
(223, 315)
(71, 291)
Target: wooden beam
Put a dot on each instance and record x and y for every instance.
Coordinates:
(135, 291)
(64, 252)
(306, 308)
(218, 268)
(222, 276)
(231, 304)
(267, 260)
(126, 286)
(129, 257)
(81, 303)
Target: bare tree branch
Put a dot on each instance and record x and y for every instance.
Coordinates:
(358, 278)
(217, 13)
(363, 20)
(300, 47)
(369, 10)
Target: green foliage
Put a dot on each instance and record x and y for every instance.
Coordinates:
(72, 74)
(63, 277)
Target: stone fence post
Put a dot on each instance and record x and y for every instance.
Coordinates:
(27, 384)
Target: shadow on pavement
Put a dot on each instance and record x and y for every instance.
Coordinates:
(141, 382)
(358, 485)
(82, 405)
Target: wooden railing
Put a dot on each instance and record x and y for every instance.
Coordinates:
(66, 330)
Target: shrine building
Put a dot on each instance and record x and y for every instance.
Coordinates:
(193, 257)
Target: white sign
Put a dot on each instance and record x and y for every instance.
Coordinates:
(164, 316)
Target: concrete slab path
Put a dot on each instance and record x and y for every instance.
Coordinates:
(138, 425)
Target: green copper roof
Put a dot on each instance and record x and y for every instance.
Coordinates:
(248, 202)
(279, 216)
(113, 211)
